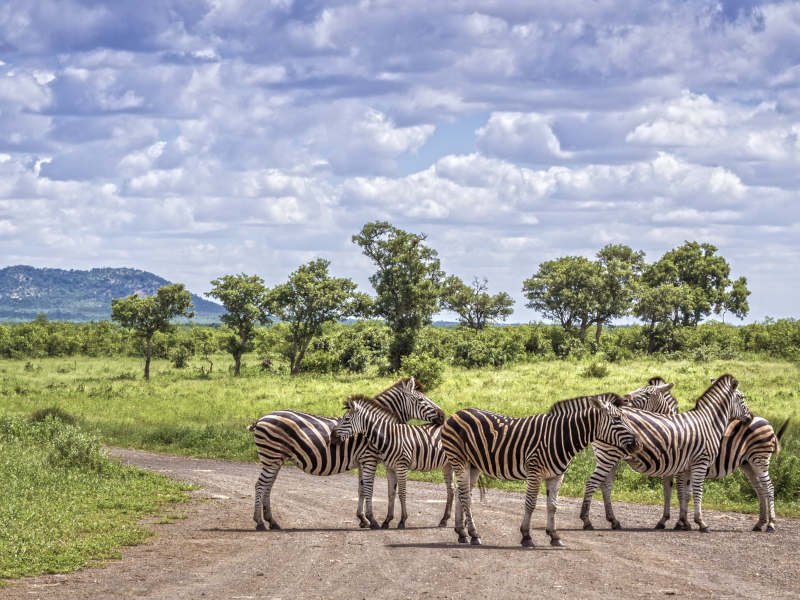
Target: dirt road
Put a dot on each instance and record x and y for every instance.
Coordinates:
(215, 552)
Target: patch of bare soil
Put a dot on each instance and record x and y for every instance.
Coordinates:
(321, 553)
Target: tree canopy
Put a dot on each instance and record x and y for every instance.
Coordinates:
(245, 300)
(407, 282)
(473, 304)
(310, 299)
(148, 314)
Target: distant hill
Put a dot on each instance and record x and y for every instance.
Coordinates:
(76, 295)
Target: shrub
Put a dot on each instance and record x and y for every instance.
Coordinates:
(596, 369)
(52, 412)
(423, 367)
(180, 357)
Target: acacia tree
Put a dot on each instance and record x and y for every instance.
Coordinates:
(659, 308)
(566, 290)
(407, 282)
(473, 304)
(146, 315)
(310, 299)
(245, 299)
(620, 272)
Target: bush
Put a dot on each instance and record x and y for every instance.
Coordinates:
(424, 368)
(180, 357)
(596, 369)
(52, 412)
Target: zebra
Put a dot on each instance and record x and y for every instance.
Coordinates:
(654, 397)
(401, 447)
(746, 445)
(685, 444)
(305, 439)
(531, 449)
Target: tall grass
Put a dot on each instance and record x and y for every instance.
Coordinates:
(186, 411)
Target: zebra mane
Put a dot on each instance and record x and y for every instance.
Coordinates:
(726, 380)
(656, 381)
(417, 384)
(582, 403)
(367, 402)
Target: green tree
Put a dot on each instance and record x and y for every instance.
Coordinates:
(310, 299)
(473, 304)
(620, 273)
(659, 308)
(566, 290)
(245, 300)
(698, 267)
(149, 314)
(407, 282)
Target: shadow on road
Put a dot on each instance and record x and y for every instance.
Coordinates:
(456, 545)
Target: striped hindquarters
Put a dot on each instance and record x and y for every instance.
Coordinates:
(305, 439)
(753, 443)
(496, 444)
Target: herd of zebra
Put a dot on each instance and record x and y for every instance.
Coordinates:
(643, 428)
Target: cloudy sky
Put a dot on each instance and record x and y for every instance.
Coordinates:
(196, 138)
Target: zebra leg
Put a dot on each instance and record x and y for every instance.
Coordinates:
(606, 489)
(699, 471)
(531, 493)
(463, 478)
(366, 481)
(447, 472)
(391, 481)
(683, 485)
(262, 510)
(758, 476)
(553, 484)
(747, 469)
(667, 481)
(601, 472)
(402, 475)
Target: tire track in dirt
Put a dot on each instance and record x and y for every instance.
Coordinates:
(321, 553)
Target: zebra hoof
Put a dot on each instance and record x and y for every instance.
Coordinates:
(274, 525)
(261, 527)
(681, 526)
(527, 542)
(770, 529)
(556, 542)
(364, 524)
(385, 525)
(476, 541)
(443, 523)
(462, 539)
(703, 529)
(660, 525)
(374, 525)
(588, 526)
(758, 528)
(616, 525)
(401, 525)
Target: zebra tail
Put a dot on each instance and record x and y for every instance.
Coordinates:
(782, 429)
(483, 481)
(252, 426)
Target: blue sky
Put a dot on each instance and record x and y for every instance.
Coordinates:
(198, 138)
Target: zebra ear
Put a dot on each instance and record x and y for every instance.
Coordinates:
(411, 385)
(599, 403)
(655, 381)
(665, 388)
(712, 379)
(622, 401)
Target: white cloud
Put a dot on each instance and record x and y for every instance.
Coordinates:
(526, 137)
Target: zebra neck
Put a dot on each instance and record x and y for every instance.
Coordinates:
(393, 407)
(569, 435)
(717, 415)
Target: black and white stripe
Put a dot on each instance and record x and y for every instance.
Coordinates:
(402, 448)
(685, 444)
(306, 440)
(531, 449)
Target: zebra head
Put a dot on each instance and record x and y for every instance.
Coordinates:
(737, 408)
(613, 427)
(653, 398)
(351, 422)
(407, 400)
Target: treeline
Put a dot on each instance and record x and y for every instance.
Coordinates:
(359, 346)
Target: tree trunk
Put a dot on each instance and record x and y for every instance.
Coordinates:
(237, 363)
(598, 332)
(582, 332)
(650, 337)
(147, 361)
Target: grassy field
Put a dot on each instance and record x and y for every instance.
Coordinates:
(64, 504)
(187, 412)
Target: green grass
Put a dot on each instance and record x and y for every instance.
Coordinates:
(185, 412)
(64, 504)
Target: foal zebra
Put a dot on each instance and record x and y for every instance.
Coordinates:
(684, 444)
(306, 439)
(746, 445)
(402, 448)
(531, 449)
